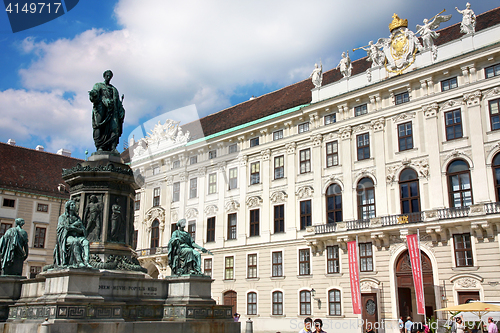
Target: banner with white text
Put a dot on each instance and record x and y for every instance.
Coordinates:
(352, 252)
(416, 269)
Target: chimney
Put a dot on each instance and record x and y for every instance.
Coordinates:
(40, 148)
(11, 142)
(64, 152)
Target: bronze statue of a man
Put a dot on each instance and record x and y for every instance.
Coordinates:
(107, 114)
(14, 249)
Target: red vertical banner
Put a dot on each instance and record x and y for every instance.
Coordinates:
(416, 269)
(352, 252)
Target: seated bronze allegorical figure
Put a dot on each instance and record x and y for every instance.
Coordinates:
(183, 256)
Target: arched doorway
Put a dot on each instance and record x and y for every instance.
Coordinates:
(230, 299)
(406, 291)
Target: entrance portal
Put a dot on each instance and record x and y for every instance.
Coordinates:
(406, 291)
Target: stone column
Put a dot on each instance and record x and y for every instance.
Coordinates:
(345, 148)
(243, 214)
(292, 223)
(265, 179)
(378, 149)
(317, 165)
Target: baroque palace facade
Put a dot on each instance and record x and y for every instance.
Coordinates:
(276, 186)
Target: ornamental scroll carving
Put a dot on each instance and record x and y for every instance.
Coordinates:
(421, 166)
(290, 148)
(473, 98)
(183, 176)
(492, 92)
(155, 213)
(378, 124)
(243, 160)
(170, 180)
(265, 154)
(191, 213)
(430, 110)
(305, 192)
(345, 132)
(254, 201)
(360, 128)
(466, 283)
(368, 285)
(278, 196)
(456, 153)
(174, 215)
(211, 210)
(232, 206)
(403, 117)
(317, 139)
(452, 104)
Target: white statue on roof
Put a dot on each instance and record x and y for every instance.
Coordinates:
(345, 64)
(468, 25)
(374, 52)
(317, 75)
(426, 30)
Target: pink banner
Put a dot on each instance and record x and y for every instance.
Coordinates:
(352, 252)
(416, 269)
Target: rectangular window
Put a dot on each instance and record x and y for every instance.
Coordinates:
(494, 114)
(173, 227)
(39, 241)
(175, 165)
(363, 145)
(304, 262)
(231, 226)
(360, 110)
(303, 127)
(365, 257)
(4, 227)
(278, 135)
(305, 214)
(405, 136)
(251, 303)
(402, 98)
(233, 148)
(254, 173)
(137, 201)
(193, 188)
(212, 183)
(463, 250)
(277, 303)
(254, 142)
(330, 119)
(134, 239)
(277, 263)
(492, 71)
(254, 222)
(9, 203)
(332, 154)
(207, 267)
(193, 160)
(156, 197)
(229, 268)
(453, 124)
(156, 171)
(192, 229)
(279, 167)
(305, 161)
(44, 208)
(176, 191)
(212, 154)
(279, 218)
(252, 266)
(211, 229)
(449, 84)
(233, 178)
(34, 270)
(332, 259)
(305, 303)
(334, 302)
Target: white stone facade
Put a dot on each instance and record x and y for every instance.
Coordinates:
(310, 168)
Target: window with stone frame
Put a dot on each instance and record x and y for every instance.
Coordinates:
(334, 303)
(176, 191)
(332, 259)
(363, 146)
(9, 203)
(305, 160)
(254, 222)
(333, 204)
(39, 240)
(360, 110)
(155, 234)
(44, 208)
(156, 197)
(401, 98)
(134, 239)
(496, 175)
(279, 167)
(207, 266)
(305, 303)
(492, 71)
(233, 148)
(278, 135)
(254, 142)
(211, 229)
(405, 136)
(252, 303)
(305, 214)
(231, 226)
(279, 218)
(212, 183)
(252, 266)
(212, 154)
(330, 119)
(366, 199)
(34, 271)
(233, 178)
(175, 165)
(4, 227)
(137, 201)
(193, 188)
(193, 160)
(365, 257)
(192, 229)
(255, 173)
(303, 127)
(277, 258)
(448, 84)
(463, 250)
(494, 107)
(277, 303)
(409, 191)
(332, 154)
(459, 184)
(304, 262)
(229, 268)
(453, 124)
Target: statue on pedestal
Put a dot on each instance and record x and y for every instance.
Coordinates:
(72, 246)
(14, 249)
(117, 231)
(345, 64)
(468, 25)
(426, 30)
(93, 218)
(183, 258)
(317, 75)
(107, 114)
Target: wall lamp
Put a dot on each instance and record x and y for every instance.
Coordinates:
(313, 294)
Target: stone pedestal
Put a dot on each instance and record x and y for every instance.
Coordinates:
(10, 291)
(104, 189)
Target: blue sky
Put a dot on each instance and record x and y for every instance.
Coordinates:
(166, 55)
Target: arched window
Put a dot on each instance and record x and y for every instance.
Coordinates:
(305, 302)
(277, 303)
(496, 175)
(459, 185)
(155, 234)
(408, 190)
(333, 204)
(252, 303)
(334, 302)
(366, 199)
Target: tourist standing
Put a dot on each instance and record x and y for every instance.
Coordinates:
(307, 325)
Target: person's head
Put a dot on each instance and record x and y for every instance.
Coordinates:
(459, 320)
(368, 326)
(236, 315)
(490, 319)
(408, 318)
(308, 322)
(20, 222)
(318, 324)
